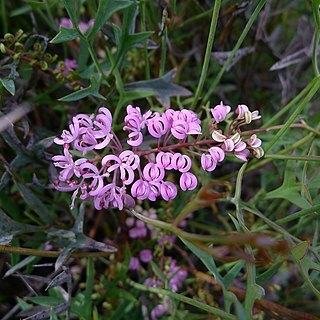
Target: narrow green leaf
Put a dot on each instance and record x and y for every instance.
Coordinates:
(46, 301)
(105, 10)
(89, 290)
(157, 271)
(64, 35)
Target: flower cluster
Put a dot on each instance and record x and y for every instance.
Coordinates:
(113, 176)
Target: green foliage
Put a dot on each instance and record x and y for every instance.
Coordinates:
(248, 240)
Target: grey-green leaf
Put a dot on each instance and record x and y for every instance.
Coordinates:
(163, 88)
(8, 85)
(35, 203)
(65, 34)
(92, 90)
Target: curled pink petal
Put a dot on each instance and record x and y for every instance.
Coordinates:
(220, 111)
(228, 145)
(208, 163)
(181, 162)
(164, 159)
(153, 172)
(243, 155)
(217, 154)
(188, 181)
(140, 189)
(168, 190)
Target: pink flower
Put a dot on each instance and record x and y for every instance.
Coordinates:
(188, 181)
(181, 162)
(134, 264)
(158, 126)
(217, 154)
(220, 111)
(168, 190)
(254, 141)
(208, 163)
(140, 189)
(66, 163)
(242, 155)
(227, 145)
(158, 311)
(145, 255)
(110, 196)
(69, 64)
(69, 136)
(153, 172)
(67, 23)
(164, 159)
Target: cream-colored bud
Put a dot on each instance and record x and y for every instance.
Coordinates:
(218, 136)
(3, 48)
(247, 117)
(236, 137)
(258, 152)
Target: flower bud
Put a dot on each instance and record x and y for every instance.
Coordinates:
(258, 152)
(16, 56)
(247, 117)
(18, 47)
(236, 137)
(19, 33)
(43, 65)
(9, 38)
(3, 48)
(218, 136)
(37, 47)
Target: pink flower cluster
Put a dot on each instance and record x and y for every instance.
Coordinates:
(96, 166)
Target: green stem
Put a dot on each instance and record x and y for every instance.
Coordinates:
(212, 310)
(95, 60)
(253, 291)
(290, 157)
(143, 29)
(212, 31)
(163, 51)
(298, 214)
(294, 115)
(315, 52)
(290, 104)
(235, 49)
(50, 16)
(4, 17)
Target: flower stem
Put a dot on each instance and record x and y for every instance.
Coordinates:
(235, 49)
(212, 31)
